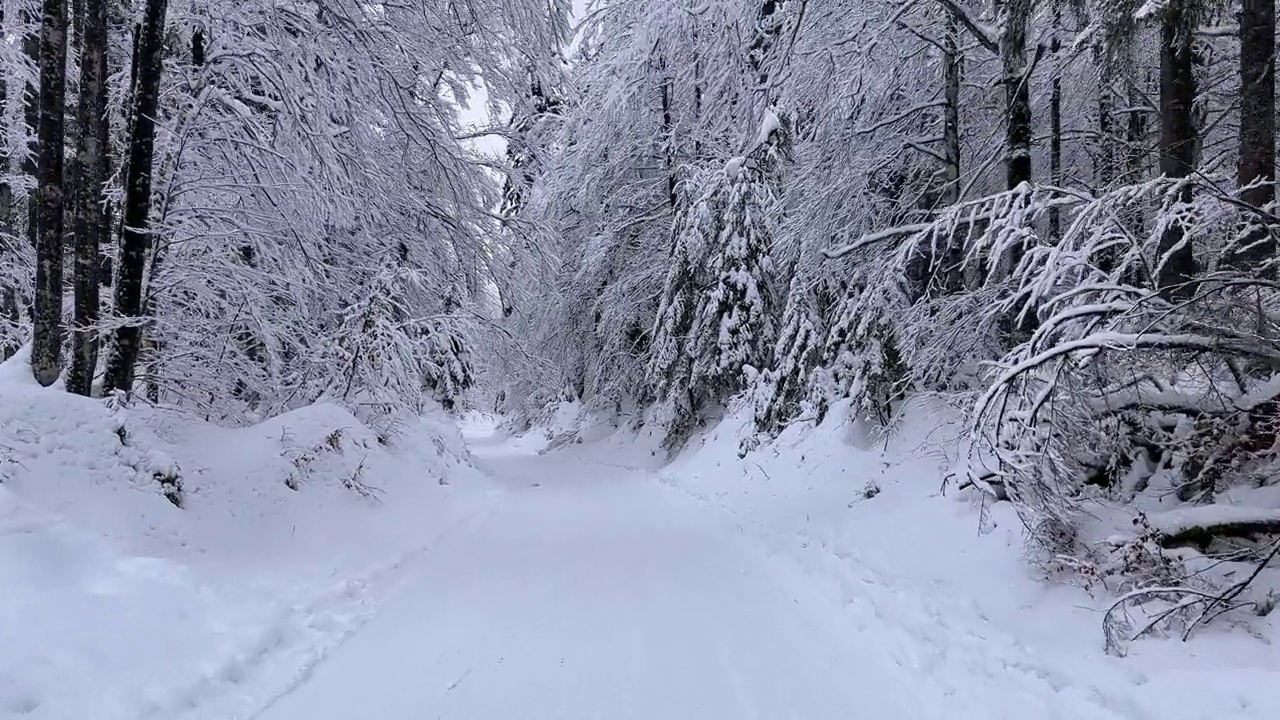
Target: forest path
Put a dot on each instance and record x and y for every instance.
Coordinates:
(589, 590)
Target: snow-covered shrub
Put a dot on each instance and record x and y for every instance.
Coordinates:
(782, 393)
(308, 461)
(1104, 380)
(382, 359)
(17, 263)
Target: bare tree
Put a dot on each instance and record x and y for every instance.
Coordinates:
(46, 348)
(135, 239)
(1257, 160)
(1177, 261)
(1017, 89)
(89, 217)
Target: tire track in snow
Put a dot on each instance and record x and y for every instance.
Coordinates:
(299, 639)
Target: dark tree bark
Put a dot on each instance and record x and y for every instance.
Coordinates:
(197, 48)
(952, 60)
(46, 348)
(8, 293)
(1011, 47)
(31, 115)
(6, 192)
(1055, 124)
(89, 219)
(1135, 156)
(1013, 60)
(1257, 160)
(1135, 152)
(1177, 140)
(1106, 163)
(135, 238)
(952, 67)
(669, 159)
(105, 250)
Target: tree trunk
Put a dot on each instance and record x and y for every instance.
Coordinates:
(1135, 158)
(135, 237)
(669, 160)
(89, 220)
(46, 347)
(1106, 128)
(1176, 264)
(1257, 160)
(1013, 59)
(31, 116)
(1055, 125)
(6, 189)
(951, 65)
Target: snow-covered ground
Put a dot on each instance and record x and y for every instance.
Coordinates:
(115, 604)
(945, 582)
(567, 573)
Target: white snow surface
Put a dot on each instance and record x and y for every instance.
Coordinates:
(115, 604)
(568, 574)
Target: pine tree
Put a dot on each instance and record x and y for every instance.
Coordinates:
(670, 366)
(734, 326)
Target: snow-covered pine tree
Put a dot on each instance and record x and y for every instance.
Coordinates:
(734, 327)
(781, 391)
(669, 373)
(716, 324)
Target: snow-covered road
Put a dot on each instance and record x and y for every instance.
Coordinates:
(595, 593)
(590, 581)
(589, 590)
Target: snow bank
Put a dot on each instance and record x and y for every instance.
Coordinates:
(864, 514)
(116, 603)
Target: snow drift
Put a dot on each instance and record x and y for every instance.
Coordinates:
(118, 603)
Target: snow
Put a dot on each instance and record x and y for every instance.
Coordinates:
(946, 582)
(733, 167)
(117, 604)
(569, 572)
(768, 126)
(1173, 522)
(594, 593)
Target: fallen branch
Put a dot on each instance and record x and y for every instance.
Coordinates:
(1212, 605)
(1199, 525)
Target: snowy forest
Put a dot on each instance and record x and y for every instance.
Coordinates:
(240, 207)
(1053, 221)
(1057, 215)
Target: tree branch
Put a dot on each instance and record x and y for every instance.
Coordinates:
(981, 34)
